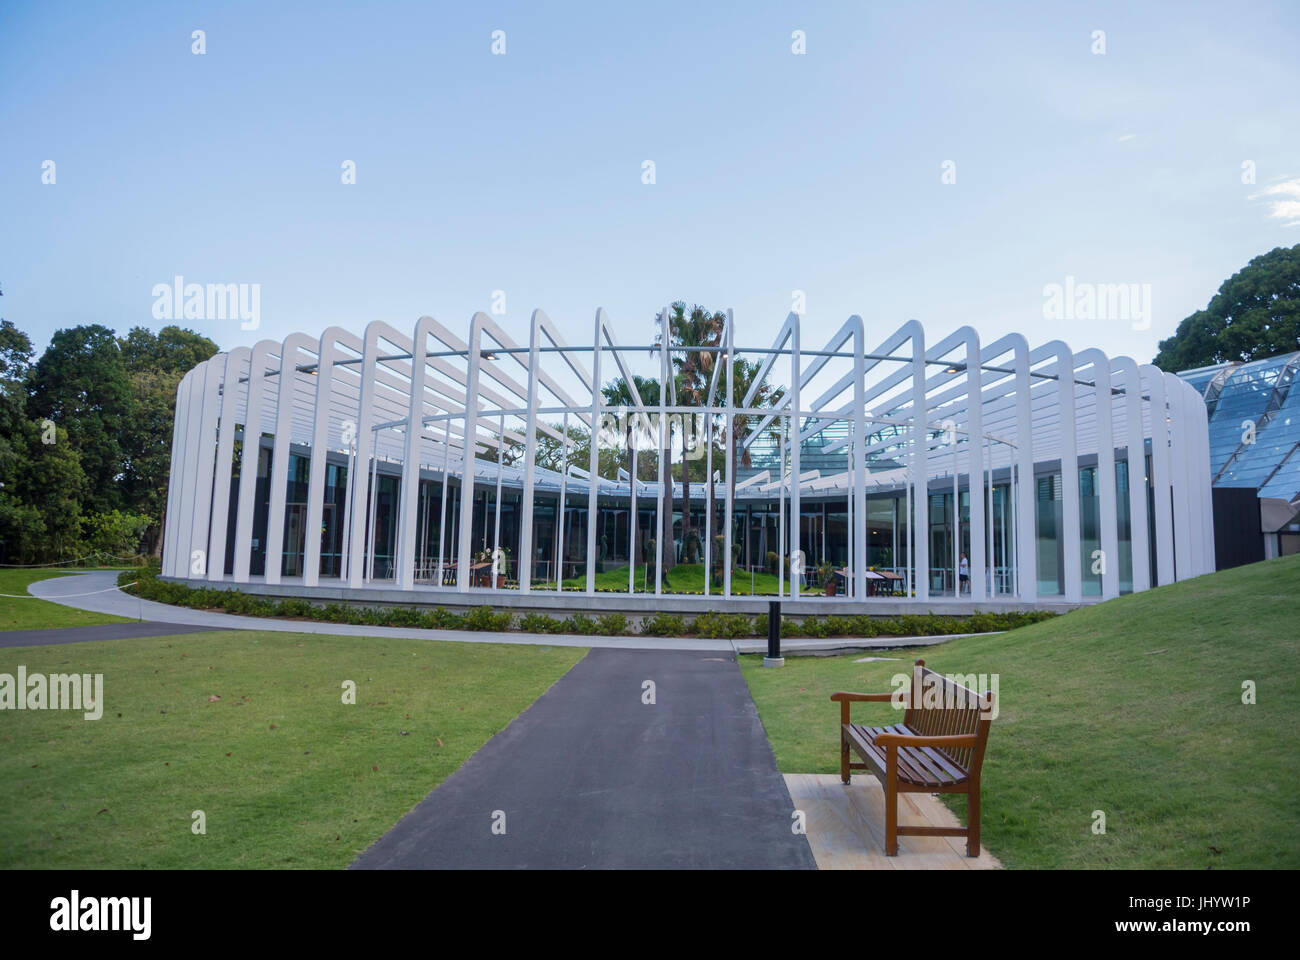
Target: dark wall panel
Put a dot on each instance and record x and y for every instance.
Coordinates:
(1237, 539)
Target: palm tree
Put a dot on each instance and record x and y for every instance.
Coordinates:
(616, 393)
(689, 337)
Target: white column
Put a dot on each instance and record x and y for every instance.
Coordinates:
(731, 467)
(975, 469)
(665, 443)
(475, 354)
(319, 444)
(795, 428)
(251, 457)
(530, 462)
(359, 544)
(442, 503)
(177, 516)
(1025, 494)
(920, 466)
(231, 392)
(857, 502)
(1072, 560)
(207, 454)
(189, 476)
(593, 477)
(290, 359)
(560, 512)
(1107, 510)
(499, 567)
(1135, 450)
(411, 464)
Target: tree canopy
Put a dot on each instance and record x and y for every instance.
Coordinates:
(1255, 315)
(85, 439)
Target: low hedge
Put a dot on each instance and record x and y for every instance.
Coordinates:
(713, 624)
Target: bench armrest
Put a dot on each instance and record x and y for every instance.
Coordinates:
(844, 699)
(912, 740)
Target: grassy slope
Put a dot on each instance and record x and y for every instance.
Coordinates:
(682, 578)
(119, 792)
(28, 613)
(1133, 707)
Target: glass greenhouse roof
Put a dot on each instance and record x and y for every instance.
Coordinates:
(1254, 424)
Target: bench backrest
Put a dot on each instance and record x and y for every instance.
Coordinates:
(941, 707)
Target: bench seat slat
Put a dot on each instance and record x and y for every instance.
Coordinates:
(924, 766)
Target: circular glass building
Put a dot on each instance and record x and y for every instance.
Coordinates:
(866, 469)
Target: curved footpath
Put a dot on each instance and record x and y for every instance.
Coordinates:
(82, 591)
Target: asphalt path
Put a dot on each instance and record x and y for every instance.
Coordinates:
(592, 776)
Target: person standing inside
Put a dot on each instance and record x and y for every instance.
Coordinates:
(963, 571)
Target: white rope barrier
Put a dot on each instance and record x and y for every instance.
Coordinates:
(65, 596)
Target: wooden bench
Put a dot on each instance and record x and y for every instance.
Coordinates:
(938, 748)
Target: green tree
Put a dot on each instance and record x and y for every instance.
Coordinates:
(155, 364)
(44, 486)
(744, 375)
(690, 337)
(114, 534)
(80, 383)
(1255, 315)
(617, 393)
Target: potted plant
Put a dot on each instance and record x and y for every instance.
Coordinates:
(826, 571)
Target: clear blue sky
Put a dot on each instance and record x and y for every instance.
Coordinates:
(522, 172)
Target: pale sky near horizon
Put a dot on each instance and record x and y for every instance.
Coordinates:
(774, 172)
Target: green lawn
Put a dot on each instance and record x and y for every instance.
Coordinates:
(287, 775)
(1133, 707)
(682, 578)
(20, 611)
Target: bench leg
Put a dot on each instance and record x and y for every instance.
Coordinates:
(973, 821)
(891, 804)
(844, 756)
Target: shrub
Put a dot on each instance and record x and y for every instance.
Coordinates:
(613, 624)
(540, 623)
(581, 624)
(722, 625)
(838, 626)
(811, 627)
(715, 624)
(663, 625)
(485, 618)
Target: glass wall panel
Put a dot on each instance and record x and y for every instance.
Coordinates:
(295, 516)
(1091, 563)
(1050, 565)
